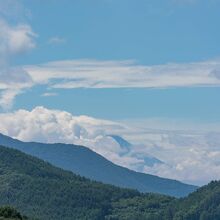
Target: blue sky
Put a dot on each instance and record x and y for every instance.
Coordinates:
(199, 104)
(149, 32)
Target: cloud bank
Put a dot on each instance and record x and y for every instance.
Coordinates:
(189, 156)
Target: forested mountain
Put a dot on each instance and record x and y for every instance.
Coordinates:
(83, 161)
(42, 191)
(204, 204)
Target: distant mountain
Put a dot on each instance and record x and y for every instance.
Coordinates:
(87, 163)
(121, 141)
(149, 160)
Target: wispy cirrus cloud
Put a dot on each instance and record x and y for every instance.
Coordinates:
(70, 74)
(124, 74)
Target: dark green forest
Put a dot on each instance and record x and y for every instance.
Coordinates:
(204, 204)
(41, 191)
(9, 213)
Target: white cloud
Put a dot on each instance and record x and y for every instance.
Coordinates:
(190, 155)
(7, 97)
(63, 125)
(122, 74)
(14, 40)
(117, 74)
(12, 81)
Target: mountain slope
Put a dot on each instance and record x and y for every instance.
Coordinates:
(45, 192)
(204, 204)
(87, 163)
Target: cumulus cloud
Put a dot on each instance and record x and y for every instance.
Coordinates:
(53, 126)
(189, 156)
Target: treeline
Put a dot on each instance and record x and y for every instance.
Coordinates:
(204, 204)
(9, 213)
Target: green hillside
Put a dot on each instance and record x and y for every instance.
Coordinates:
(42, 191)
(9, 213)
(204, 204)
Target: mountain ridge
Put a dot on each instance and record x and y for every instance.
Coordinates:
(87, 163)
(42, 191)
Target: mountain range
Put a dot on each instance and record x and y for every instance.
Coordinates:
(85, 162)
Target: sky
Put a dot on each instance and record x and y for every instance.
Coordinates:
(150, 66)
